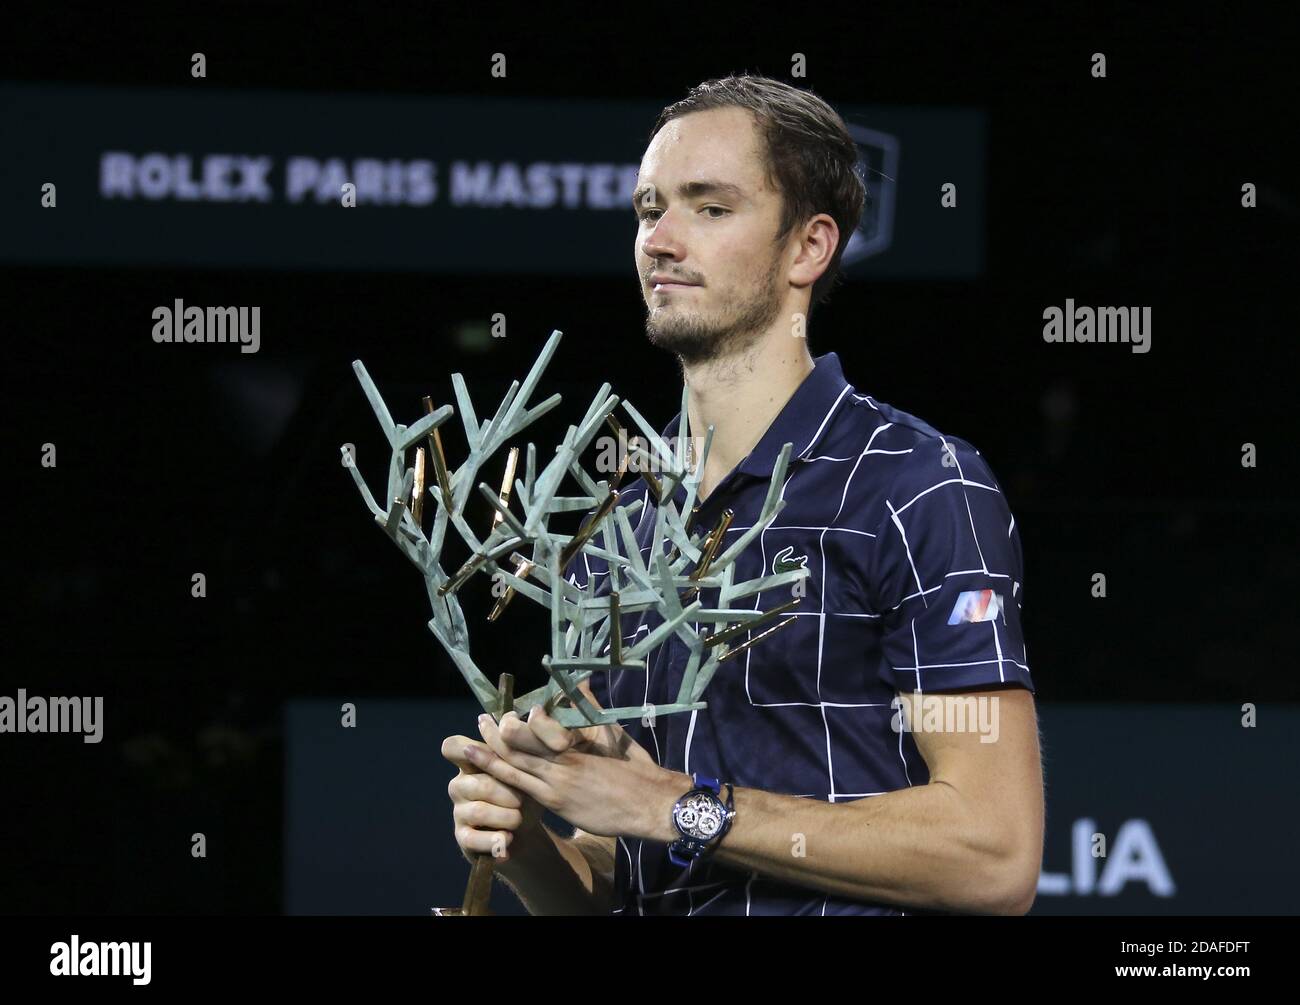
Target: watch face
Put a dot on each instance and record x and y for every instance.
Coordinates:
(700, 815)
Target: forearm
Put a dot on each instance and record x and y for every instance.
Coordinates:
(556, 875)
(924, 847)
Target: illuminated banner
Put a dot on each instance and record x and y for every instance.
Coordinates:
(482, 185)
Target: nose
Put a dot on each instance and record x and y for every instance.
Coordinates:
(661, 241)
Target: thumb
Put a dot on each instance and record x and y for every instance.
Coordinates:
(611, 738)
(585, 688)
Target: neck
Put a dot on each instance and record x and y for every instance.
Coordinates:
(739, 396)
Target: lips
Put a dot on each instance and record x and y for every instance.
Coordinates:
(658, 283)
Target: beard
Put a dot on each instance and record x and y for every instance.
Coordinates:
(729, 328)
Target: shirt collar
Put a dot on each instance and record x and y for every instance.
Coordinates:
(801, 422)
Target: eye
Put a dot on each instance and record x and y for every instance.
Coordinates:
(721, 210)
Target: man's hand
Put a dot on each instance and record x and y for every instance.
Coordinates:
(595, 777)
(488, 814)
(542, 736)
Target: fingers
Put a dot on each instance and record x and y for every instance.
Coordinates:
(486, 812)
(492, 843)
(521, 771)
(485, 816)
(554, 738)
(524, 737)
(478, 787)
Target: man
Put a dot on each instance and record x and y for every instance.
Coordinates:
(829, 758)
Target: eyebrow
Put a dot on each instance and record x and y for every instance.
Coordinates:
(694, 190)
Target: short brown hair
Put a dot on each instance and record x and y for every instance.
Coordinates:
(811, 158)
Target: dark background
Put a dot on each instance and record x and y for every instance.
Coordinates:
(1120, 191)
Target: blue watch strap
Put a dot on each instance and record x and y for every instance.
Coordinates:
(686, 849)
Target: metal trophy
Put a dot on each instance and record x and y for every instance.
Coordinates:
(521, 552)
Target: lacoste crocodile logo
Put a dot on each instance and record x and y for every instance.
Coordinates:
(783, 562)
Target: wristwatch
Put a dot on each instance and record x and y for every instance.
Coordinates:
(701, 818)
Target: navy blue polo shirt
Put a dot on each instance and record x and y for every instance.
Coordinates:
(915, 584)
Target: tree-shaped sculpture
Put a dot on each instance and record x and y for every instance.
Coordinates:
(585, 632)
(585, 627)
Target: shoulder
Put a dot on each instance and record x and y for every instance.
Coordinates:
(902, 455)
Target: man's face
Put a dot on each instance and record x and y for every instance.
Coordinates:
(707, 217)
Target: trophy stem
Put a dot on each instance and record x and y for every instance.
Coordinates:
(478, 891)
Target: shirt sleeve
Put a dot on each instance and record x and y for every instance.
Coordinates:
(948, 575)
